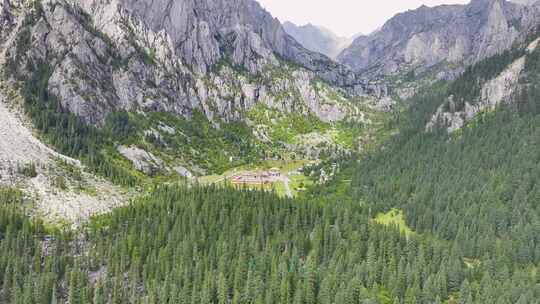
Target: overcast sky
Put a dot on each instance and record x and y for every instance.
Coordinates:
(345, 17)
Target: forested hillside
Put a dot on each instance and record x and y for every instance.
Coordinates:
(224, 246)
(477, 188)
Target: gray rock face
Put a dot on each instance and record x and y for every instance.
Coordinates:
(318, 39)
(220, 57)
(525, 2)
(494, 92)
(451, 34)
(203, 32)
(142, 160)
(196, 27)
(182, 171)
(5, 12)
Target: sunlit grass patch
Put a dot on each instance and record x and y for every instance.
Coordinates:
(396, 218)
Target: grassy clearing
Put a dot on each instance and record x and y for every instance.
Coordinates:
(396, 218)
(472, 263)
(298, 182)
(285, 167)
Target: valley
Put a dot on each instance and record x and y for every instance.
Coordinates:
(192, 152)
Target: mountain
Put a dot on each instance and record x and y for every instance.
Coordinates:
(176, 56)
(227, 67)
(143, 90)
(452, 218)
(448, 37)
(318, 39)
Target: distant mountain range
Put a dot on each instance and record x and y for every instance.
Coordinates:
(318, 39)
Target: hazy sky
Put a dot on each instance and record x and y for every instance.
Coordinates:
(345, 17)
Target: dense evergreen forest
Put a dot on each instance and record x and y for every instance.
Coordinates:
(207, 245)
(477, 189)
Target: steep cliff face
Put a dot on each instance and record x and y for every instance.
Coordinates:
(318, 39)
(197, 29)
(500, 89)
(5, 14)
(219, 57)
(453, 35)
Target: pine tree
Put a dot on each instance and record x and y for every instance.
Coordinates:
(54, 297)
(223, 289)
(465, 294)
(99, 294)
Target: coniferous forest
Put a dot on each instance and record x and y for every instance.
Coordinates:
(207, 245)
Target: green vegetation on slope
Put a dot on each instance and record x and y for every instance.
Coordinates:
(477, 189)
(284, 127)
(194, 141)
(68, 133)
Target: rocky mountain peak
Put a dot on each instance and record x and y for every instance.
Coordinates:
(197, 29)
(204, 32)
(453, 35)
(219, 57)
